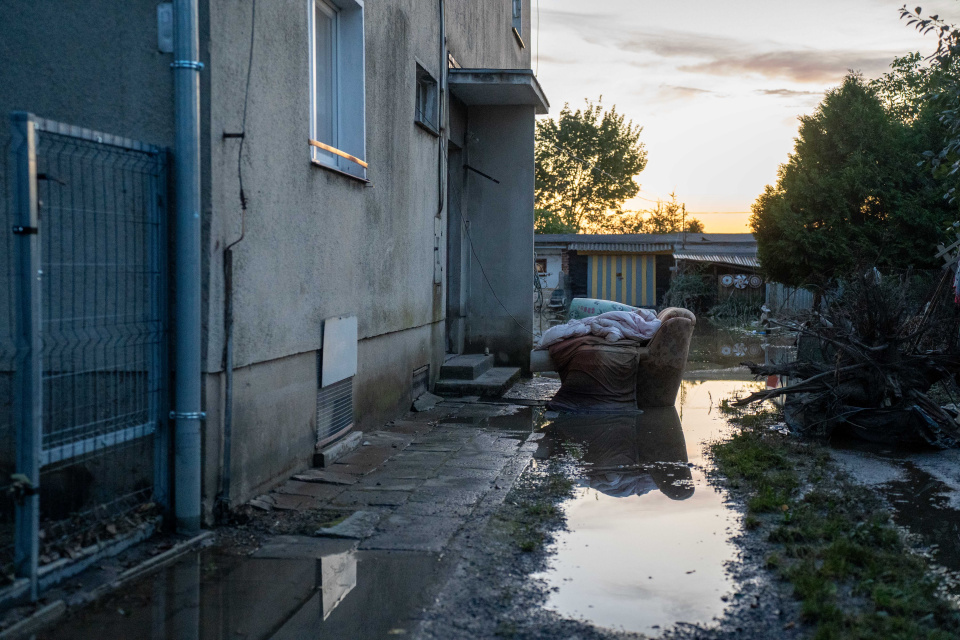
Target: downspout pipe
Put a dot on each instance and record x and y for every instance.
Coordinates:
(442, 111)
(187, 414)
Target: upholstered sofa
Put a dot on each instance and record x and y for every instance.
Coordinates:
(659, 365)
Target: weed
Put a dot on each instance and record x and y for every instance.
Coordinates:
(536, 512)
(846, 561)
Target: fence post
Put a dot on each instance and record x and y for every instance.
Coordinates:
(160, 370)
(28, 383)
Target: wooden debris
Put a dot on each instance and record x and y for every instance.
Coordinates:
(869, 363)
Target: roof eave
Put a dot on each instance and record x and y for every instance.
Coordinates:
(503, 87)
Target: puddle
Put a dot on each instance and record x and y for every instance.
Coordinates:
(521, 420)
(920, 504)
(919, 500)
(714, 346)
(508, 418)
(341, 594)
(648, 537)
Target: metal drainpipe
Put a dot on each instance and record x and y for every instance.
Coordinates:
(186, 81)
(441, 95)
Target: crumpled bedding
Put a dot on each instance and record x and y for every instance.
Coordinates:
(613, 326)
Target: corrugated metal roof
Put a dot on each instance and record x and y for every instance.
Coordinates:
(738, 260)
(633, 238)
(616, 247)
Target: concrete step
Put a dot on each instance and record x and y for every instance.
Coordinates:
(492, 383)
(466, 367)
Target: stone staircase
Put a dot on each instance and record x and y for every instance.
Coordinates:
(474, 375)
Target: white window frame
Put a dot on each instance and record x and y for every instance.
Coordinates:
(346, 151)
(317, 154)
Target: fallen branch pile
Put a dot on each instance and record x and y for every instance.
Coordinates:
(869, 362)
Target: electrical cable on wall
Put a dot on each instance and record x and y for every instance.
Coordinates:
(483, 272)
(243, 129)
(223, 498)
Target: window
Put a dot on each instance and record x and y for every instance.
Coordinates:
(337, 110)
(426, 108)
(518, 18)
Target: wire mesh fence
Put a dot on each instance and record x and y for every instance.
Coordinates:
(100, 236)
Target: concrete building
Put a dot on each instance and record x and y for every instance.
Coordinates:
(370, 167)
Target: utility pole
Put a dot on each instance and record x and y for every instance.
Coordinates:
(683, 229)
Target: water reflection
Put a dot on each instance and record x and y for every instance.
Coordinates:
(626, 455)
(724, 347)
(648, 538)
(312, 590)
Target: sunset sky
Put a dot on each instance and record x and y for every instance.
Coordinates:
(717, 86)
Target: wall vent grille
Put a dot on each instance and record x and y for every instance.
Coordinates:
(421, 381)
(334, 410)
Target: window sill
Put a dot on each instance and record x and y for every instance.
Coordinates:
(426, 127)
(327, 167)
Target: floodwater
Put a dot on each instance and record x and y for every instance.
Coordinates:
(648, 538)
(329, 590)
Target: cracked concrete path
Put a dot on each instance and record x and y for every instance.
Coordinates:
(419, 480)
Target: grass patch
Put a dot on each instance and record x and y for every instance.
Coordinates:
(535, 511)
(836, 545)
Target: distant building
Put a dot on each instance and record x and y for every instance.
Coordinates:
(636, 269)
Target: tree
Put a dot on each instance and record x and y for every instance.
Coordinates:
(586, 162)
(850, 195)
(622, 222)
(941, 94)
(546, 221)
(666, 217)
(902, 89)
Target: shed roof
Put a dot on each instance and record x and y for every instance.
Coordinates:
(651, 242)
(627, 238)
(624, 247)
(738, 260)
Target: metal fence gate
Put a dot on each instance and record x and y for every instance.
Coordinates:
(82, 346)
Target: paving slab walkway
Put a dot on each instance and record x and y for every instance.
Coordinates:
(416, 483)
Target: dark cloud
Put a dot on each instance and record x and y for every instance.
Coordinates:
(722, 56)
(788, 93)
(664, 44)
(799, 66)
(669, 91)
(677, 44)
